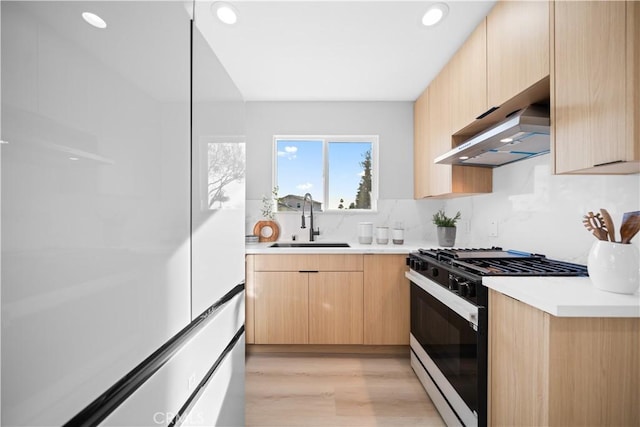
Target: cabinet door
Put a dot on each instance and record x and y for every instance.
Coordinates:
(335, 308)
(386, 300)
(633, 84)
(281, 308)
(517, 343)
(517, 47)
(590, 86)
(421, 146)
(469, 79)
(439, 134)
(561, 371)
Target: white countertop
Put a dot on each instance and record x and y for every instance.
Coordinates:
(559, 296)
(566, 296)
(355, 248)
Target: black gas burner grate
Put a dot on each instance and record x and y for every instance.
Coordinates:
(447, 255)
(521, 267)
(496, 262)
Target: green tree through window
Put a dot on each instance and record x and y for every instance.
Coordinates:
(363, 197)
(340, 172)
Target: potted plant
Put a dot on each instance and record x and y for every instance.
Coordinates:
(446, 228)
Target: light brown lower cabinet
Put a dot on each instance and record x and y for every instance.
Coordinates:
(304, 299)
(327, 299)
(281, 307)
(386, 300)
(335, 307)
(561, 371)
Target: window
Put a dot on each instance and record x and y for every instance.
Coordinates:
(340, 172)
(224, 171)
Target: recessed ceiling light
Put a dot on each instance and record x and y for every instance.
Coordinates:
(94, 20)
(225, 12)
(464, 157)
(435, 14)
(506, 140)
(74, 158)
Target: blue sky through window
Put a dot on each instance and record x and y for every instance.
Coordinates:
(300, 169)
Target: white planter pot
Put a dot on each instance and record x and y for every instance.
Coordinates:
(614, 267)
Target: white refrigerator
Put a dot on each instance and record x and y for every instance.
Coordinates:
(122, 218)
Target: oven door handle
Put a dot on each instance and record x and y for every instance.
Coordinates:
(463, 308)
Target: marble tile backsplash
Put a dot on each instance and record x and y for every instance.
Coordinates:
(540, 212)
(535, 212)
(339, 226)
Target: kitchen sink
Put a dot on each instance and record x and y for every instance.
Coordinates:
(310, 245)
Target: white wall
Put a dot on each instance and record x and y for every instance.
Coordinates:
(536, 211)
(392, 121)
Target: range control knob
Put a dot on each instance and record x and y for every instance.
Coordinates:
(434, 272)
(453, 283)
(472, 290)
(465, 288)
(416, 264)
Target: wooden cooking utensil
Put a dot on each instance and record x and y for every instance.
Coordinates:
(595, 224)
(630, 226)
(626, 216)
(608, 222)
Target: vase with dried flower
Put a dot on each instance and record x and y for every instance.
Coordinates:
(268, 230)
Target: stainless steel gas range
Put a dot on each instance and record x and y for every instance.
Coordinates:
(449, 321)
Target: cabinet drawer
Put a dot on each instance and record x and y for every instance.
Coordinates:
(308, 262)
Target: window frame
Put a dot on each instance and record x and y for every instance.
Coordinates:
(326, 140)
(203, 155)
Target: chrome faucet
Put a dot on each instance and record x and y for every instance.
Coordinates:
(312, 232)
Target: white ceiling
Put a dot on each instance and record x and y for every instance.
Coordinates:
(337, 50)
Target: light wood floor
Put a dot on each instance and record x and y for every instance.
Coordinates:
(335, 390)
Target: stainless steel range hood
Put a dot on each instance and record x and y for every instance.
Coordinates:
(522, 135)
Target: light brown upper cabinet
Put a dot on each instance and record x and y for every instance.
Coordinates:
(421, 146)
(468, 70)
(439, 132)
(517, 48)
(596, 88)
(433, 124)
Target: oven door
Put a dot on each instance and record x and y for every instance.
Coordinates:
(449, 338)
